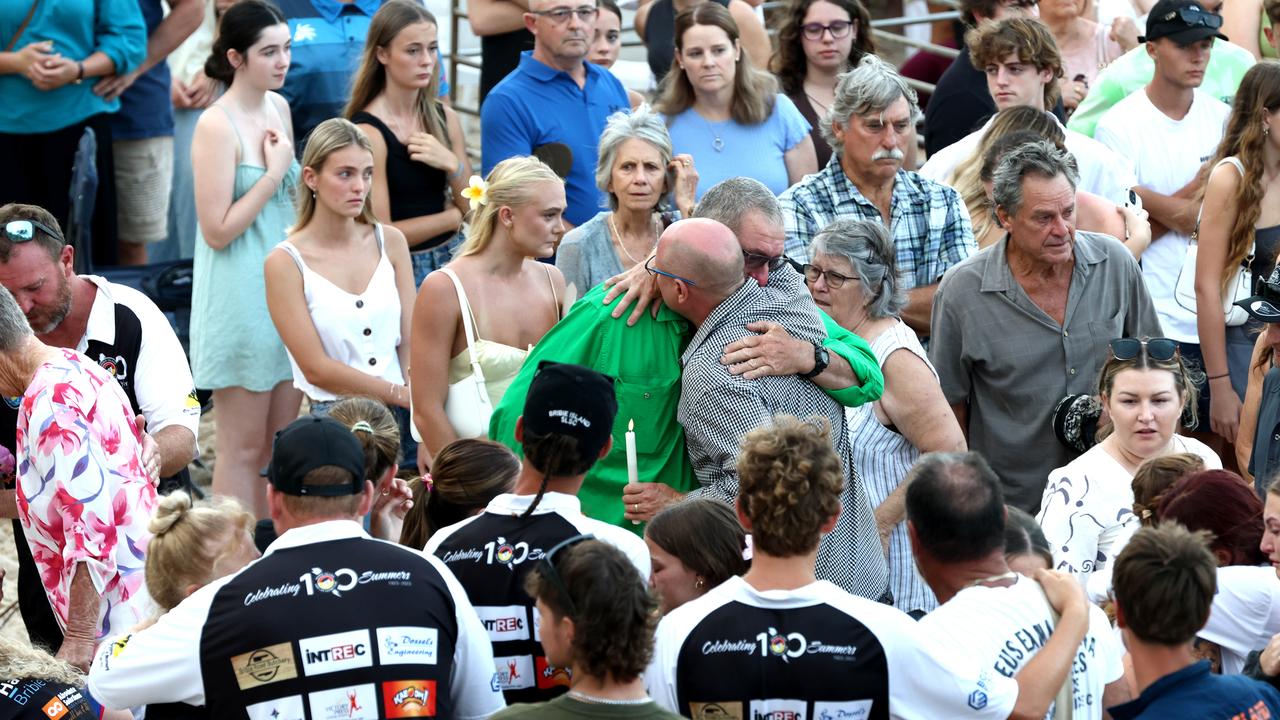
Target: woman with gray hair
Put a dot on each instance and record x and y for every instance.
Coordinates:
(853, 276)
(637, 171)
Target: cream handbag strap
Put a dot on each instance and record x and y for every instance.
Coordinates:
(467, 326)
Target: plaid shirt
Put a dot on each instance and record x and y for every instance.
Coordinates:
(717, 409)
(929, 225)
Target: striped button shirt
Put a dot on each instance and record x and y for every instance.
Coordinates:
(929, 226)
(883, 458)
(717, 409)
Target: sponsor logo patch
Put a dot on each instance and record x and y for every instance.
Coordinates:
(55, 709)
(285, 708)
(853, 710)
(339, 651)
(407, 645)
(716, 711)
(550, 676)
(514, 672)
(358, 702)
(504, 622)
(265, 666)
(778, 710)
(409, 698)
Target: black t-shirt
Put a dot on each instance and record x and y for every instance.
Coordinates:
(35, 699)
(499, 55)
(959, 105)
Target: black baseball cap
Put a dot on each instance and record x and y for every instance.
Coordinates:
(309, 443)
(1183, 21)
(1265, 306)
(571, 400)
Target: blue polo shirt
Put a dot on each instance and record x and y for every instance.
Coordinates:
(536, 105)
(1193, 692)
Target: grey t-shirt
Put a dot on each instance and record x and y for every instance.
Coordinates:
(997, 351)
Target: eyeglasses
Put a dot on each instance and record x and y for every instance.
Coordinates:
(755, 261)
(1194, 17)
(20, 231)
(547, 566)
(1158, 349)
(835, 280)
(560, 15)
(838, 29)
(1024, 4)
(648, 265)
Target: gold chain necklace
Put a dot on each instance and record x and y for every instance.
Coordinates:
(622, 243)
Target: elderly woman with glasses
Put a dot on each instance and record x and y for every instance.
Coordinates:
(638, 173)
(1088, 504)
(854, 278)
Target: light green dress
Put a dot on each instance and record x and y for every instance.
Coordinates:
(233, 341)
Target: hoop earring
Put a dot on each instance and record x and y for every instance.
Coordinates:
(698, 585)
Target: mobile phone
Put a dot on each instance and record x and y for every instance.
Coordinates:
(1134, 201)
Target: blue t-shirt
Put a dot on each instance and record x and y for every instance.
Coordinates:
(77, 29)
(537, 105)
(755, 151)
(1193, 692)
(146, 108)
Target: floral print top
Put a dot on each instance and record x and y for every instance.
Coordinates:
(83, 493)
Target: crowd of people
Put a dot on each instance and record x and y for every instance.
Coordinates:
(768, 391)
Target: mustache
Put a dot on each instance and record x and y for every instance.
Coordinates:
(882, 154)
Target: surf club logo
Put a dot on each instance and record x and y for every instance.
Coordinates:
(116, 365)
(775, 644)
(502, 552)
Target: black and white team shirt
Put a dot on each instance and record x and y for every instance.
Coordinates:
(813, 653)
(492, 553)
(328, 624)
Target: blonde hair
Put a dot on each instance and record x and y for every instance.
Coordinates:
(327, 138)
(21, 661)
(510, 184)
(188, 541)
(376, 429)
(371, 78)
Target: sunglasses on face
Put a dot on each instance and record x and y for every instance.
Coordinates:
(560, 16)
(838, 29)
(1158, 349)
(755, 261)
(20, 231)
(648, 265)
(835, 280)
(547, 566)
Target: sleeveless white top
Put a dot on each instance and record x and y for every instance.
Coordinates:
(360, 331)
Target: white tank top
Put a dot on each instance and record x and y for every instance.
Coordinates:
(360, 331)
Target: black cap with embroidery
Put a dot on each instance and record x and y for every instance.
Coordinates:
(1183, 21)
(571, 400)
(309, 443)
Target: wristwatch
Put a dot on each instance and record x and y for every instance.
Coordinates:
(821, 359)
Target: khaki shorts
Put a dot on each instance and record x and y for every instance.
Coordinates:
(144, 177)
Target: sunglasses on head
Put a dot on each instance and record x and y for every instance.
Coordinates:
(1195, 17)
(1158, 349)
(20, 231)
(547, 566)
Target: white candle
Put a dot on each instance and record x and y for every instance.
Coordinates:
(633, 467)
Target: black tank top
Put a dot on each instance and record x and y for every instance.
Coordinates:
(414, 189)
(659, 34)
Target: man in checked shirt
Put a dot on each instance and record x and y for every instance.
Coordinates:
(699, 274)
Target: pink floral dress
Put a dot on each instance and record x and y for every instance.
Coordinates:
(83, 494)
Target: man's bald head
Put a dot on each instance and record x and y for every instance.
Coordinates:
(704, 251)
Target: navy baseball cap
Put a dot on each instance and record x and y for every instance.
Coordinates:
(312, 442)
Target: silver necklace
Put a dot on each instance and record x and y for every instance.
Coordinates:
(718, 143)
(579, 695)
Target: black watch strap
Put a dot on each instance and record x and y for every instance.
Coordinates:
(821, 359)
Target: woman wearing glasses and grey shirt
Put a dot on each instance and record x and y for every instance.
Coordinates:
(853, 276)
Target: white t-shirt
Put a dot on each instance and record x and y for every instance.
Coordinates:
(1088, 504)
(1103, 171)
(1167, 154)
(1245, 613)
(1004, 627)
(813, 652)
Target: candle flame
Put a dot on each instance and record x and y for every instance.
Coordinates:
(631, 425)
